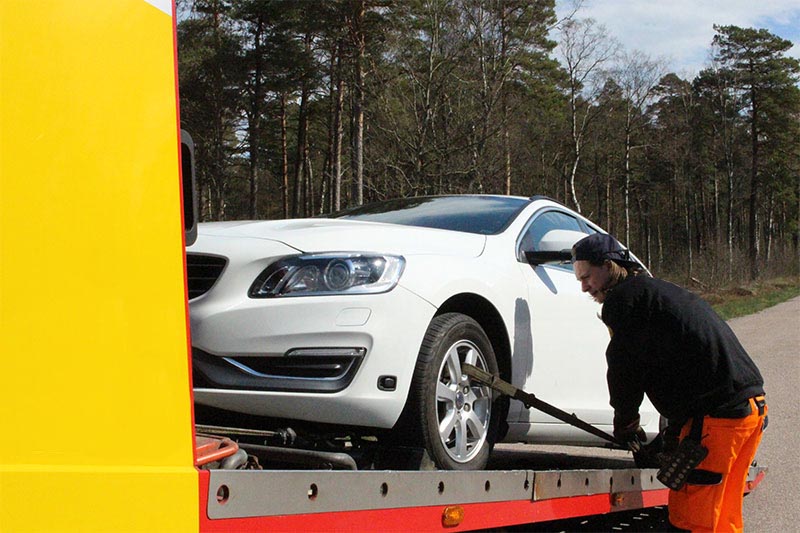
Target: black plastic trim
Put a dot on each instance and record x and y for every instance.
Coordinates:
(202, 272)
(215, 372)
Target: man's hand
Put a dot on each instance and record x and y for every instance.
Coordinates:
(652, 454)
(630, 434)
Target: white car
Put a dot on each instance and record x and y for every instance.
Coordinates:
(364, 319)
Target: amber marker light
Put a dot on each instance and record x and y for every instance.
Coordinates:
(452, 516)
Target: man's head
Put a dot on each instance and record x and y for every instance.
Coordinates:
(600, 263)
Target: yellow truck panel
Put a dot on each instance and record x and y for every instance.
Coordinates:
(94, 365)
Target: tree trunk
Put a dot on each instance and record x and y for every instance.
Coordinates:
(504, 104)
(647, 228)
(796, 232)
(506, 149)
(599, 193)
(688, 227)
(326, 196)
(577, 139)
(358, 105)
(660, 247)
(338, 135)
(309, 172)
(302, 140)
(217, 211)
(252, 205)
(730, 224)
(701, 213)
(255, 122)
(717, 232)
(284, 159)
(573, 172)
(753, 200)
(627, 187)
(768, 232)
(609, 225)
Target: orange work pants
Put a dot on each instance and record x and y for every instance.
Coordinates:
(732, 445)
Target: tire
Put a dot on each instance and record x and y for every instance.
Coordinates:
(455, 420)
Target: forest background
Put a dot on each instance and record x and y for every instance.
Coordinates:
(300, 107)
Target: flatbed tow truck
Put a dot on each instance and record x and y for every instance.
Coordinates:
(95, 373)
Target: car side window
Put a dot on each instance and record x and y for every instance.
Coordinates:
(543, 223)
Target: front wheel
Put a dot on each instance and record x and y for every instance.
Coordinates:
(457, 419)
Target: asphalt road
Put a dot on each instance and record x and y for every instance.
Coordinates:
(772, 338)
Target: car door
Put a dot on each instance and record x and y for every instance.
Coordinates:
(569, 339)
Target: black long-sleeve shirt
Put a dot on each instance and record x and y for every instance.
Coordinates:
(669, 344)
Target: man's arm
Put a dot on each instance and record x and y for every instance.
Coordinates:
(625, 386)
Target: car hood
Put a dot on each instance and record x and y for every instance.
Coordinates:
(323, 235)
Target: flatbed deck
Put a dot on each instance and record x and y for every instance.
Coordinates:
(563, 485)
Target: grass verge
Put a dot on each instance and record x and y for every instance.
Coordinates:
(745, 300)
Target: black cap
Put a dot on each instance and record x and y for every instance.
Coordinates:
(599, 247)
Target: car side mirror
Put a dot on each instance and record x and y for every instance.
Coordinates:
(190, 205)
(555, 246)
(542, 257)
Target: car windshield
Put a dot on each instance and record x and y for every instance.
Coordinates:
(485, 215)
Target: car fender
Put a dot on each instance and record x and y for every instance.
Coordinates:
(437, 279)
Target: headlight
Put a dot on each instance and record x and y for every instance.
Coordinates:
(326, 274)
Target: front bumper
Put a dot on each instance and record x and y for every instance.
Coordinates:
(264, 333)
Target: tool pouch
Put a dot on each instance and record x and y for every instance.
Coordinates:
(686, 457)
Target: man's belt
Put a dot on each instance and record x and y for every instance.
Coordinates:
(740, 410)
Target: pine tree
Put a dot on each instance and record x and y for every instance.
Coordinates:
(768, 81)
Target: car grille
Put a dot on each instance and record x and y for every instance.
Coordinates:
(202, 272)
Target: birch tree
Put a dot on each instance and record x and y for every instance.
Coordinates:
(585, 48)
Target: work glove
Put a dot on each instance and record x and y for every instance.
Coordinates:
(630, 434)
(657, 453)
(671, 436)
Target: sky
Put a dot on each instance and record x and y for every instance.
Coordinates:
(680, 31)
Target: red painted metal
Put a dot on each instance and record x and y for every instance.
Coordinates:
(209, 449)
(751, 485)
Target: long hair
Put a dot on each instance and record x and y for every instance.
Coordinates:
(618, 272)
